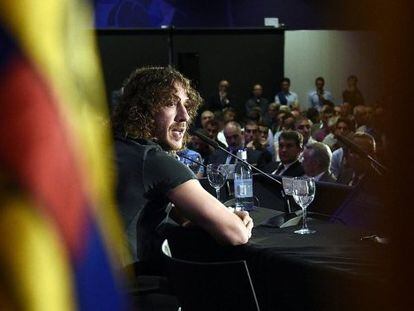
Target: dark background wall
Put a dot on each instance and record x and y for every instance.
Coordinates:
(243, 57)
(295, 14)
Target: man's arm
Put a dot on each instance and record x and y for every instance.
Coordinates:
(202, 209)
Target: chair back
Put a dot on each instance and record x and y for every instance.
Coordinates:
(210, 286)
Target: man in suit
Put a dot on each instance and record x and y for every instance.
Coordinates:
(221, 99)
(317, 161)
(364, 206)
(234, 138)
(290, 148)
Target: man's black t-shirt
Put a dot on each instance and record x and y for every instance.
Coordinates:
(146, 174)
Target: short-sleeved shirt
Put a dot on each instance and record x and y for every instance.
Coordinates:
(146, 174)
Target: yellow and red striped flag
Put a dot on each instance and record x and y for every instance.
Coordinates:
(59, 233)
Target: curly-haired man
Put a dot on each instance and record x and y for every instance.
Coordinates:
(150, 122)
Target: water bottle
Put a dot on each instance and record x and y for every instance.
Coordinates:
(243, 184)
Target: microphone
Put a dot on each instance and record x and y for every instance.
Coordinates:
(377, 166)
(290, 218)
(214, 144)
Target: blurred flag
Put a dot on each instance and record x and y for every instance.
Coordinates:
(59, 234)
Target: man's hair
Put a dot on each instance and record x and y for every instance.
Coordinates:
(145, 93)
(292, 135)
(213, 123)
(233, 124)
(320, 79)
(367, 137)
(321, 154)
(285, 79)
(349, 123)
(207, 111)
(299, 120)
(354, 77)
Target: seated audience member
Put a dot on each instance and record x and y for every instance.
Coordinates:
(287, 122)
(352, 94)
(212, 130)
(234, 138)
(257, 100)
(359, 165)
(290, 148)
(347, 111)
(313, 115)
(361, 118)
(317, 161)
(251, 132)
(363, 208)
(303, 125)
(270, 117)
(296, 113)
(321, 129)
(206, 116)
(222, 99)
(149, 129)
(285, 96)
(318, 97)
(342, 127)
(229, 114)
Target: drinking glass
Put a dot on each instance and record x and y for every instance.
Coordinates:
(304, 193)
(216, 174)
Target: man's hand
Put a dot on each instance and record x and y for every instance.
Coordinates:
(247, 220)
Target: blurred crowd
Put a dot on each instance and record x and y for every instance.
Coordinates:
(283, 139)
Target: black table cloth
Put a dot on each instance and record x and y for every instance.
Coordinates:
(332, 269)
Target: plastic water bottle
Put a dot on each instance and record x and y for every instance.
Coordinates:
(243, 184)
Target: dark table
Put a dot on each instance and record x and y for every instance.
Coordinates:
(332, 269)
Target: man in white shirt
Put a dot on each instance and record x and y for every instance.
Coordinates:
(320, 96)
(303, 125)
(285, 96)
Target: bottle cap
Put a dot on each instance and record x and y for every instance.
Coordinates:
(242, 154)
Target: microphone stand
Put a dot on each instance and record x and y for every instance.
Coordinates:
(289, 218)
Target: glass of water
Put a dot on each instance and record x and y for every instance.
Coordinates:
(303, 194)
(217, 175)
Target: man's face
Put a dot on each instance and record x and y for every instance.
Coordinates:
(257, 90)
(263, 133)
(304, 128)
(309, 164)
(223, 86)
(361, 115)
(171, 121)
(288, 151)
(212, 131)
(205, 117)
(284, 86)
(272, 111)
(289, 123)
(342, 129)
(319, 84)
(229, 116)
(326, 113)
(233, 137)
(250, 132)
(199, 145)
(355, 161)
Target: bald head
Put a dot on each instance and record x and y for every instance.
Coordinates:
(233, 135)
